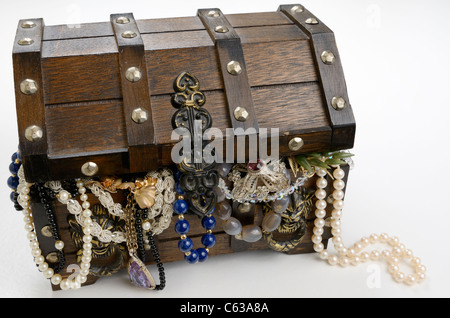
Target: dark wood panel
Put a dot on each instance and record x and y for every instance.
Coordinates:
(240, 20)
(85, 127)
(81, 78)
(82, 30)
(303, 109)
(270, 34)
(165, 65)
(279, 63)
(169, 25)
(176, 40)
(77, 47)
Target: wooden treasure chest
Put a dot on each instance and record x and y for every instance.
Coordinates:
(153, 141)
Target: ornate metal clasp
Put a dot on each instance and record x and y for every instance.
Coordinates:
(199, 177)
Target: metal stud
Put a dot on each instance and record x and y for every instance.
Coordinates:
(28, 87)
(52, 257)
(312, 21)
(241, 114)
(221, 29)
(122, 20)
(129, 34)
(213, 14)
(28, 25)
(47, 231)
(244, 207)
(133, 74)
(328, 57)
(33, 133)
(296, 144)
(25, 41)
(297, 9)
(234, 68)
(338, 103)
(89, 169)
(139, 115)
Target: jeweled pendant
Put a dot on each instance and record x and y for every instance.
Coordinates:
(139, 274)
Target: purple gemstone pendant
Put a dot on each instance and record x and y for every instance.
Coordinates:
(139, 274)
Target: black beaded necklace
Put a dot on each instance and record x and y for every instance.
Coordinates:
(46, 196)
(140, 215)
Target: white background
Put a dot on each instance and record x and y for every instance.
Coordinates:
(396, 60)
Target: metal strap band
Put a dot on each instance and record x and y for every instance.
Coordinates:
(331, 74)
(135, 90)
(234, 70)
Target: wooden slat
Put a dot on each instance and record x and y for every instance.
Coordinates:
(81, 78)
(79, 47)
(241, 20)
(84, 30)
(279, 63)
(265, 34)
(79, 120)
(136, 94)
(169, 25)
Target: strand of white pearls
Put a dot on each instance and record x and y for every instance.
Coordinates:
(39, 259)
(356, 254)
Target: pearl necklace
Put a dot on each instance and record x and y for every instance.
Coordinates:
(56, 279)
(355, 255)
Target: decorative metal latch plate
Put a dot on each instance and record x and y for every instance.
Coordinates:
(199, 178)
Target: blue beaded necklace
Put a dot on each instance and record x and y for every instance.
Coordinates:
(182, 227)
(13, 180)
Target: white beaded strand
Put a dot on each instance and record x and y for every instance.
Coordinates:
(356, 254)
(56, 279)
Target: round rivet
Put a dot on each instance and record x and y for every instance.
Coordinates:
(297, 9)
(133, 74)
(213, 14)
(139, 115)
(311, 21)
(296, 144)
(28, 25)
(241, 114)
(33, 133)
(221, 29)
(338, 103)
(122, 20)
(25, 41)
(129, 34)
(47, 231)
(234, 68)
(89, 169)
(28, 87)
(328, 57)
